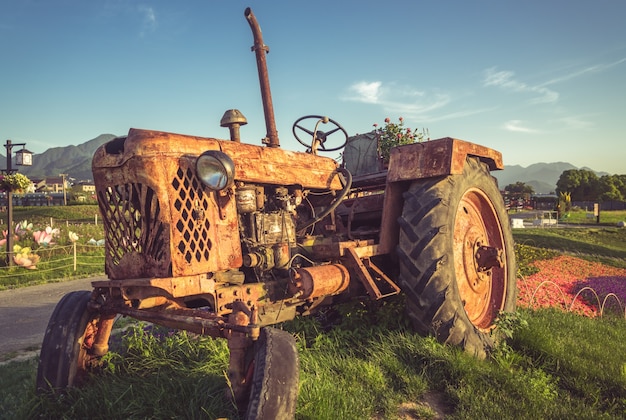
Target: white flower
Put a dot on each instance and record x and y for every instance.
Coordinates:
(73, 236)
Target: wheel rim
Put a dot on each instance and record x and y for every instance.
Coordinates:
(84, 357)
(479, 258)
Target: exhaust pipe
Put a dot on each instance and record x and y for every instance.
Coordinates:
(260, 50)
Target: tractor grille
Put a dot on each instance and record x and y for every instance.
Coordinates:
(138, 236)
(160, 220)
(192, 227)
(131, 215)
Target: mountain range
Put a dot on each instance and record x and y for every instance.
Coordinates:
(75, 161)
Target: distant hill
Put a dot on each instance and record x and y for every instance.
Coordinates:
(75, 161)
(541, 176)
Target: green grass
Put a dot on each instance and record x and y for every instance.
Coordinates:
(607, 218)
(76, 213)
(557, 365)
(604, 244)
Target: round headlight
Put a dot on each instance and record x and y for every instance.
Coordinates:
(215, 169)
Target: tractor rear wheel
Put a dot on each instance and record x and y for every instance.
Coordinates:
(67, 350)
(274, 384)
(457, 261)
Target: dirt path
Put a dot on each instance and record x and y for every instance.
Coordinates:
(24, 314)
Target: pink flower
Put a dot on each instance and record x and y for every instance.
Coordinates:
(375, 125)
(46, 237)
(401, 119)
(387, 120)
(4, 240)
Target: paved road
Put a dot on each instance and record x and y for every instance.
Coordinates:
(24, 313)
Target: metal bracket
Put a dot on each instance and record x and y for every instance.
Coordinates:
(363, 267)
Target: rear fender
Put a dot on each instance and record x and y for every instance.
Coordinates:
(436, 158)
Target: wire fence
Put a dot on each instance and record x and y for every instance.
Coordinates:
(585, 301)
(53, 263)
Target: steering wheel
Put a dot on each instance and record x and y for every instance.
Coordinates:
(318, 140)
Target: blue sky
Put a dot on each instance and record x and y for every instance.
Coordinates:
(540, 81)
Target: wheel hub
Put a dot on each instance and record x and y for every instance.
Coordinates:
(488, 257)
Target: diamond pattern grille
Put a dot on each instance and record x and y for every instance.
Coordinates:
(131, 214)
(192, 226)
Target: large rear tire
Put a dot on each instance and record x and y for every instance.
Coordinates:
(457, 261)
(67, 348)
(274, 386)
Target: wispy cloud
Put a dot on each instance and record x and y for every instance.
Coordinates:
(400, 100)
(455, 115)
(367, 92)
(587, 70)
(149, 20)
(518, 126)
(574, 122)
(506, 80)
(563, 124)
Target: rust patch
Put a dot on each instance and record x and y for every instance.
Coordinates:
(440, 157)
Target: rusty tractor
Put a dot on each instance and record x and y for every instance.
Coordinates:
(226, 239)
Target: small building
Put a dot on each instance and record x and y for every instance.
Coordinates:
(544, 201)
(51, 184)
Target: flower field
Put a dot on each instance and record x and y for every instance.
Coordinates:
(574, 284)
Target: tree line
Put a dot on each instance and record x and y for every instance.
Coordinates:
(585, 185)
(581, 185)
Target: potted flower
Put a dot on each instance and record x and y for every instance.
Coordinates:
(16, 182)
(392, 135)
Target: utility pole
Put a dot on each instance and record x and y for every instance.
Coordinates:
(64, 196)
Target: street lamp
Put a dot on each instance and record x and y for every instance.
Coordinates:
(23, 157)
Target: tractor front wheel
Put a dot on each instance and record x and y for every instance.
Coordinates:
(457, 261)
(274, 375)
(68, 351)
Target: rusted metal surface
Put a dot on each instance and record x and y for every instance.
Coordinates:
(251, 295)
(318, 281)
(478, 256)
(362, 267)
(100, 345)
(162, 222)
(263, 165)
(196, 321)
(325, 248)
(434, 158)
(392, 209)
(238, 344)
(253, 164)
(440, 157)
(233, 119)
(260, 49)
(488, 257)
(364, 214)
(159, 219)
(174, 287)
